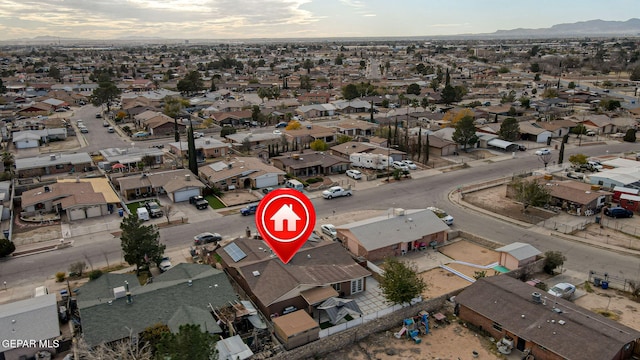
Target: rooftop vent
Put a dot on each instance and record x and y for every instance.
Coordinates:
(47, 189)
(256, 273)
(187, 177)
(536, 297)
(52, 157)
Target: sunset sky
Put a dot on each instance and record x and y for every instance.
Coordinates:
(238, 19)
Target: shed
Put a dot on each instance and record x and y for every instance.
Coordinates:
(630, 202)
(517, 254)
(296, 329)
(619, 190)
(233, 348)
(504, 145)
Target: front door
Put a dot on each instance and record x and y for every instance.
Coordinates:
(521, 343)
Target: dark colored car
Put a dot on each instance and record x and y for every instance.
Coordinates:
(249, 210)
(618, 212)
(199, 202)
(206, 237)
(155, 211)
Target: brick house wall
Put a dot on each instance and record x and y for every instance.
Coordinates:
(50, 170)
(166, 129)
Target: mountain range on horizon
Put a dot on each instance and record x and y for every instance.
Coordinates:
(590, 28)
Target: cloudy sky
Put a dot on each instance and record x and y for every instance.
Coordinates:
(237, 19)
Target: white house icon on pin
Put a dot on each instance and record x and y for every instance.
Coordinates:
(285, 213)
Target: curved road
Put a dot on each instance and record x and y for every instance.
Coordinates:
(417, 193)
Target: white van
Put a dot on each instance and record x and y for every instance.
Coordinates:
(41, 291)
(294, 184)
(143, 214)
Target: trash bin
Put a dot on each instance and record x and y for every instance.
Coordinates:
(605, 285)
(596, 281)
(598, 219)
(121, 212)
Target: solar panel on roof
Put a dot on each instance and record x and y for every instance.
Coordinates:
(235, 252)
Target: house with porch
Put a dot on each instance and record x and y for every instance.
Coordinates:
(550, 328)
(311, 164)
(179, 185)
(353, 128)
(206, 148)
(316, 110)
(34, 138)
(241, 172)
(307, 135)
(395, 234)
(320, 270)
(131, 156)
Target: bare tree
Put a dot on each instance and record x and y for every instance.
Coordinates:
(167, 212)
(545, 159)
(124, 350)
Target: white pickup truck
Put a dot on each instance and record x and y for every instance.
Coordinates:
(336, 191)
(446, 218)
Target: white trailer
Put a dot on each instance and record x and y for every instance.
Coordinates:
(370, 161)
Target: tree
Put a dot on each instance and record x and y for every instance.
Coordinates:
(122, 350)
(319, 145)
(350, 92)
(553, 259)
(264, 93)
(550, 93)
(140, 243)
(190, 343)
(308, 65)
(293, 125)
(172, 108)
(3, 88)
(54, 73)
(400, 282)
(106, 92)
(191, 83)
(634, 75)
(530, 192)
(191, 146)
(413, 89)
(610, 104)
(509, 129)
(342, 138)
(77, 268)
(153, 334)
(578, 159)
(630, 135)
(453, 116)
(579, 129)
(448, 94)
(6, 247)
(305, 82)
(465, 132)
(565, 139)
(535, 67)
(8, 160)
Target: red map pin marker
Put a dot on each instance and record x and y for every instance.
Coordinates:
(285, 219)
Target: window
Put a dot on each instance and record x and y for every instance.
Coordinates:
(336, 287)
(497, 326)
(357, 286)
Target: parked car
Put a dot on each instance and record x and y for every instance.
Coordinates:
(249, 209)
(595, 164)
(543, 152)
(110, 129)
(206, 237)
(446, 218)
(410, 164)
(354, 174)
(199, 202)
(591, 133)
(400, 165)
(522, 147)
(140, 134)
(105, 124)
(329, 229)
(155, 211)
(563, 290)
(336, 191)
(98, 115)
(83, 129)
(618, 212)
(197, 134)
(277, 132)
(267, 190)
(165, 264)
(281, 125)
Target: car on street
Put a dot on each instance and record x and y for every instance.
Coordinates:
(617, 135)
(165, 264)
(140, 134)
(281, 125)
(562, 290)
(206, 238)
(543, 152)
(329, 229)
(110, 129)
(400, 166)
(197, 134)
(105, 124)
(249, 209)
(354, 174)
(410, 164)
(98, 115)
(199, 202)
(446, 218)
(83, 129)
(267, 190)
(618, 212)
(277, 132)
(336, 191)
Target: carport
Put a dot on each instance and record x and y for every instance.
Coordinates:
(503, 145)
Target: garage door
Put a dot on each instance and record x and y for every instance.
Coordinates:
(184, 195)
(76, 214)
(266, 181)
(94, 211)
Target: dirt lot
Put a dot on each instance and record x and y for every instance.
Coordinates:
(470, 252)
(451, 341)
(494, 200)
(624, 309)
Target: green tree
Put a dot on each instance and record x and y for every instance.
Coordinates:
(344, 138)
(509, 129)
(424, 102)
(413, 89)
(530, 192)
(264, 93)
(565, 139)
(465, 132)
(305, 82)
(400, 282)
(54, 73)
(308, 65)
(571, 85)
(634, 75)
(140, 243)
(106, 92)
(610, 104)
(550, 93)
(172, 108)
(190, 343)
(193, 161)
(3, 88)
(350, 92)
(319, 145)
(535, 67)
(191, 83)
(448, 94)
(630, 136)
(578, 159)
(525, 102)
(6, 247)
(553, 259)
(152, 335)
(7, 160)
(509, 97)
(227, 130)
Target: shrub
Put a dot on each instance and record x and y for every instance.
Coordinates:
(6, 247)
(314, 180)
(60, 276)
(77, 268)
(94, 274)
